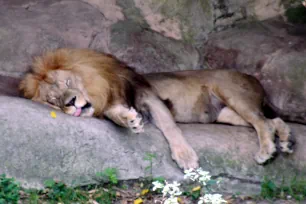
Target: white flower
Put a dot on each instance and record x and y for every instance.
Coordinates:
(204, 178)
(172, 189)
(188, 171)
(191, 174)
(171, 200)
(212, 198)
(157, 185)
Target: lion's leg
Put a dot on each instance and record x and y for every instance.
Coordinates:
(251, 112)
(283, 131)
(229, 116)
(266, 134)
(181, 151)
(125, 117)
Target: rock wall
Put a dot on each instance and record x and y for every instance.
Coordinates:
(152, 35)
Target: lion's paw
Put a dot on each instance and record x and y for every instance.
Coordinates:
(134, 121)
(287, 146)
(185, 156)
(265, 154)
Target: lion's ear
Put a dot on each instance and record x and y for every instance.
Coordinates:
(29, 85)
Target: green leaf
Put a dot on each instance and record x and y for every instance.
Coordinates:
(49, 183)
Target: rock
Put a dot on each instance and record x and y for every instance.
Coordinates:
(30, 27)
(150, 35)
(9, 86)
(35, 147)
(267, 51)
(266, 9)
(45, 25)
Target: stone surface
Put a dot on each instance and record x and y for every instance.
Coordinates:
(151, 35)
(35, 147)
(270, 52)
(29, 28)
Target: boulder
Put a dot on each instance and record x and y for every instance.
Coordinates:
(149, 35)
(50, 24)
(35, 147)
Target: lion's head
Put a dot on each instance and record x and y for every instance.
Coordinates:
(80, 82)
(60, 89)
(55, 82)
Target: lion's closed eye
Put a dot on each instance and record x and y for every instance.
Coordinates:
(68, 83)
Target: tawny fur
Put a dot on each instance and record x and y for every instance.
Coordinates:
(114, 90)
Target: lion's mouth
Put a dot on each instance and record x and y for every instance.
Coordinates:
(79, 111)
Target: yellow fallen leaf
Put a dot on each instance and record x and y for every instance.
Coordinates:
(53, 114)
(196, 188)
(144, 191)
(180, 200)
(138, 201)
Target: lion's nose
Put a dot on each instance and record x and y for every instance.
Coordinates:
(71, 102)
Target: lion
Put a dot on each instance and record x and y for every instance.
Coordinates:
(87, 83)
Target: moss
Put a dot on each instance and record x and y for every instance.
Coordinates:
(131, 12)
(296, 15)
(206, 6)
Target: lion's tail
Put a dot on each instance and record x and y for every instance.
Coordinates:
(272, 111)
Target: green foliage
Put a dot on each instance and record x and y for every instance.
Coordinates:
(149, 157)
(296, 15)
(159, 179)
(58, 191)
(194, 195)
(296, 189)
(268, 189)
(105, 197)
(108, 175)
(9, 190)
(33, 197)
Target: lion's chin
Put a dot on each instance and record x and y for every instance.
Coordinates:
(88, 112)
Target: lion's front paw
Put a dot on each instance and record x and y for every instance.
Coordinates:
(134, 121)
(185, 156)
(265, 154)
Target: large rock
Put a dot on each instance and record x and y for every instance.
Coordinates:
(30, 27)
(35, 147)
(149, 35)
(270, 51)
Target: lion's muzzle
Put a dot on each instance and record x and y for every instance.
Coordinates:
(76, 104)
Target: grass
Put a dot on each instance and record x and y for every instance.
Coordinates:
(9, 190)
(295, 189)
(58, 192)
(108, 189)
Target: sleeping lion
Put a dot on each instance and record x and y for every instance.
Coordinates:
(86, 83)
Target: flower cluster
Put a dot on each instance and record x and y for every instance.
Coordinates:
(171, 190)
(212, 198)
(202, 176)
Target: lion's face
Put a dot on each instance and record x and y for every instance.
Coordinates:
(64, 90)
